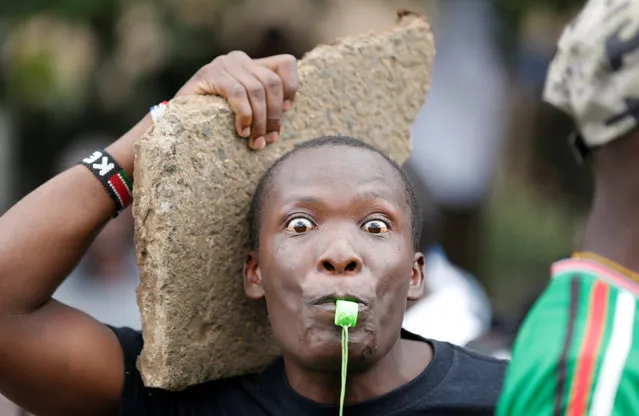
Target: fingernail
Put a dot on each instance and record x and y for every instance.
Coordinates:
(259, 143)
(287, 105)
(272, 137)
(246, 132)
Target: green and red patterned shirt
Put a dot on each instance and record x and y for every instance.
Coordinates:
(577, 352)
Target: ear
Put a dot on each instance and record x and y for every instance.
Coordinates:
(253, 277)
(416, 286)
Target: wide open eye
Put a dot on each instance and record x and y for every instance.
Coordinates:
(375, 227)
(300, 225)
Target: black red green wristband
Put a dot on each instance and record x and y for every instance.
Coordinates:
(112, 177)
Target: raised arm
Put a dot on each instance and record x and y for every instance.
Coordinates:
(54, 359)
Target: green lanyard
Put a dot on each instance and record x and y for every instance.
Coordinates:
(346, 317)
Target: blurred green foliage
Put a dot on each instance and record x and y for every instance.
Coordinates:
(187, 44)
(513, 11)
(71, 9)
(60, 58)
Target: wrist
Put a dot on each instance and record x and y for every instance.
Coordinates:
(123, 149)
(112, 176)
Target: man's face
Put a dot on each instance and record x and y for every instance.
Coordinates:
(335, 224)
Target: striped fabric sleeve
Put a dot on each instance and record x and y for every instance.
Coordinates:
(574, 353)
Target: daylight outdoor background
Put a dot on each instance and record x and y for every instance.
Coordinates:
(76, 74)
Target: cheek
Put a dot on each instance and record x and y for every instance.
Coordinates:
(394, 271)
(392, 263)
(282, 267)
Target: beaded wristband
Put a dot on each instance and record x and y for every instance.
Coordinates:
(112, 177)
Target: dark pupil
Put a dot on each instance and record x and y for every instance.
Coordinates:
(300, 226)
(374, 227)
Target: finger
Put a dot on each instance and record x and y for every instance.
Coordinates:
(254, 90)
(274, 99)
(239, 64)
(286, 67)
(234, 92)
(257, 97)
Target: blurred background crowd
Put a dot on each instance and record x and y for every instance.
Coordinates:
(509, 196)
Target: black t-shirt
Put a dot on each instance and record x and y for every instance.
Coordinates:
(456, 382)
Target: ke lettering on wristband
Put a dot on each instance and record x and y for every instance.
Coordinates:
(112, 177)
(157, 111)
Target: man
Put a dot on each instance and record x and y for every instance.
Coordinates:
(334, 218)
(577, 352)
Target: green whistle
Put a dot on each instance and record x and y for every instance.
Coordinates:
(346, 317)
(346, 313)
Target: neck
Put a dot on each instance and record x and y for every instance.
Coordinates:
(613, 225)
(395, 369)
(612, 230)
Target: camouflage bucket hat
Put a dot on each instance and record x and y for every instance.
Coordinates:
(594, 76)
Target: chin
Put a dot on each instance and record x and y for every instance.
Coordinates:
(322, 350)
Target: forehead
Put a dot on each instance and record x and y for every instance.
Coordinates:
(338, 171)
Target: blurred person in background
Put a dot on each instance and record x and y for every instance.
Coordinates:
(453, 293)
(449, 290)
(104, 282)
(577, 352)
(459, 132)
(457, 138)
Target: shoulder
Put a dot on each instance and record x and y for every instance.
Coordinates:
(478, 376)
(573, 301)
(579, 307)
(474, 366)
(459, 363)
(131, 340)
(137, 399)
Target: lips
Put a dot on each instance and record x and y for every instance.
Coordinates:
(328, 301)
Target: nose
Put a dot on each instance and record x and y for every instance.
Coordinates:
(340, 258)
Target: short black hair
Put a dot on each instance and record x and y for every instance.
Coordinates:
(263, 185)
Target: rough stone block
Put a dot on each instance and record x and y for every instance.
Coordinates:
(194, 179)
